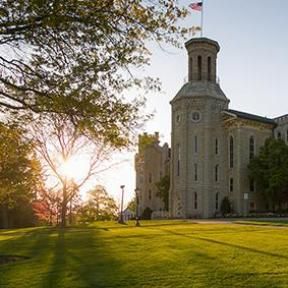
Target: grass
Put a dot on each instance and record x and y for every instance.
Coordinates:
(157, 254)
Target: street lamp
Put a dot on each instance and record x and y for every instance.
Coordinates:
(121, 220)
(137, 190)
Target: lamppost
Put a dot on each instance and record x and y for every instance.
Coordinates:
(137, 190)
(121, 220)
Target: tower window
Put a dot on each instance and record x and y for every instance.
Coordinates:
(216, 146)
(231, 185)
(251, 147)
(231, 152)
(195, 172)
(209, 68)
(217, 201)
(178, 159)
(199, 68)
(195, 144)
(216, 173)
(190, 69)
(195, 201)
(150, 194)
(195, 116)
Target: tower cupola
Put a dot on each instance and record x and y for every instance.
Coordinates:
(202, 55)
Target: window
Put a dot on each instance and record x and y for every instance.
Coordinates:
(216, 173)
(195, 172)
(150, 194)
(178, 159)
(209, 68)
(251, 185)
(251, 147)
(231, 152)
(199, 68)
(279, 136)
(216, 146)
(190, 69)
(195, 116)
(195, 144)
(178, 118)
(217, 201)
(231, 185)
(150, 178)
(252, 206)
(195, 201)
(287, 136)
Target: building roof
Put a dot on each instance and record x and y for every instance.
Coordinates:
(249, 116)
(202, 40)
(200, 89)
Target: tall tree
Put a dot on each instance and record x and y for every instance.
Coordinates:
(74, 58)
(57, 142)
(270, 171)
(19, 170)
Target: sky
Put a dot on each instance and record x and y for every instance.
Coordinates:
(252, 67)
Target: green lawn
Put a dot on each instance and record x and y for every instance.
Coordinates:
(157, 254)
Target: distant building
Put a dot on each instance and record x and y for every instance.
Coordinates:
(151, 164)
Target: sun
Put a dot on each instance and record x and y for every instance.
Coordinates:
(74, 168)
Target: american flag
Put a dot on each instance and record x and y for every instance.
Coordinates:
(196, 6)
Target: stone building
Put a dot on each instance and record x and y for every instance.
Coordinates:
(151, 164)
(211, 145)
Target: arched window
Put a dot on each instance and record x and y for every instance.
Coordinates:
(216, 173)
(279, 136)
(178, 159)
(199, 68)
(195, 172)
(231, 152)
(216, 146)
(217, 201)
(190, 69)
(209, 68)
(251, 147)
(195, 201)
(150, 194)
(231, 185)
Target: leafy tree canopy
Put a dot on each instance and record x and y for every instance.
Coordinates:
(19, 170)
(270, 170)
(74, 57)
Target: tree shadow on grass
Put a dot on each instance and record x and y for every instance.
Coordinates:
(80, 260)
(231, 277)
(32, 244)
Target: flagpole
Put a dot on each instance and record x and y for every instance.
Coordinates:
(202, 12)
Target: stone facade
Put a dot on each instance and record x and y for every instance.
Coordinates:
(211, 146)
(151, 164)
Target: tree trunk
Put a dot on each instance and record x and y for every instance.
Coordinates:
(64, 208)
(4, 212)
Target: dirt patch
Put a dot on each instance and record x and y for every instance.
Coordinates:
(5, 259)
